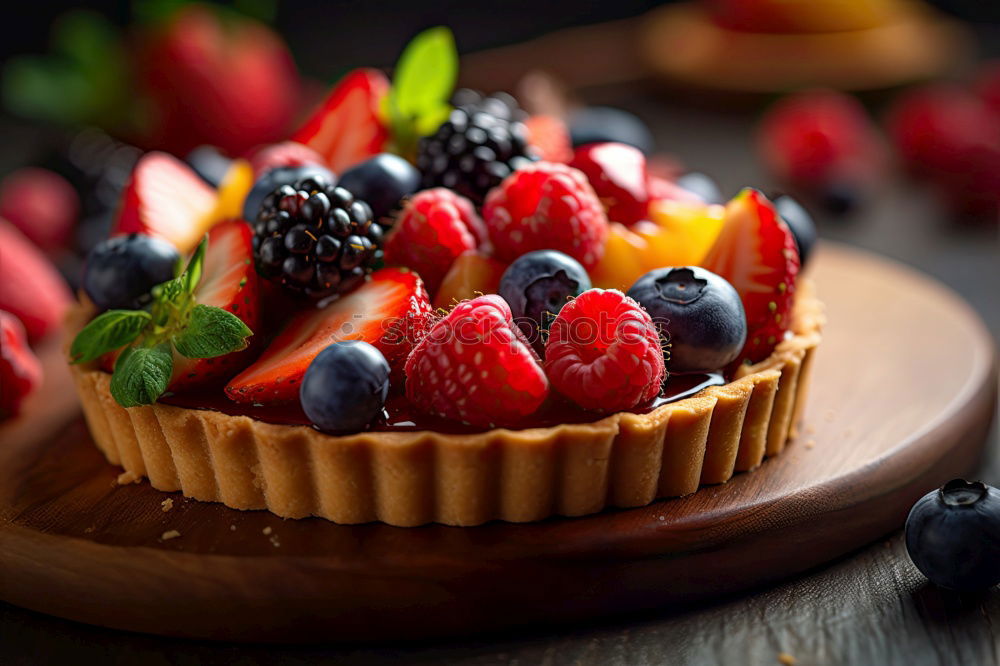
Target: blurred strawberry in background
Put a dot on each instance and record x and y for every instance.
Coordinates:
(823, 144)
(950, 136)
(20, 370)
(223, 80)
(42, 204)
(183, 75)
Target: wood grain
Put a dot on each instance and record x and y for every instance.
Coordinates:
(892, 412)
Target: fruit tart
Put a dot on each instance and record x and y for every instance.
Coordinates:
(427, 306)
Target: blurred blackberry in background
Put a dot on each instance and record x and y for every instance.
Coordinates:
(315, 239)
(480, 144)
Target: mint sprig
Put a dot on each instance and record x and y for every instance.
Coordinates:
(422, 83)
(175, 321)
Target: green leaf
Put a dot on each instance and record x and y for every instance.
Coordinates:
(192, 274)
(142, 375)
(107, 332)
(426, 72)
(171, 291)
(212, 332)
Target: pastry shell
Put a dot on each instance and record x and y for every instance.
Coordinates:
(413, 478)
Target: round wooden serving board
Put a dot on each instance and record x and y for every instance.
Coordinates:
(902, 397)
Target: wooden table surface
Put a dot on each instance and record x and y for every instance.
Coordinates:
(872, 607)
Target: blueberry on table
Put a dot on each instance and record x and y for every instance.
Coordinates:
(953, 535)
(345, 387)
(275, 178)
(596, 124)
(699, 312)
(799, 222)
(382, 181)
(120, 272)
(537, 285)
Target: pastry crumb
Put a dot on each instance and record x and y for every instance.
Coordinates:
(786, 659)
(274, 542)
(232, 528)
(811, 443)
(167, 504)
(126, 478)
(267, 530)
(169, 534)
(88, 530)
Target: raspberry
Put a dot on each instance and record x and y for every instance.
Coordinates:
(604, 353)
(434, 228)
(546, 206)
(475, 366)
(284, 154)
(549, 138)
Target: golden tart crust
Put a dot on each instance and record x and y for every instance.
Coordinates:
(413, 478)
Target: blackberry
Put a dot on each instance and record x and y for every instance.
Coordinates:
(315, 239)
(479, 145)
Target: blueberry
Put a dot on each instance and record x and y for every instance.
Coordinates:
(120, 272)
(345, 387)
(702, 185)
(595, 124)
(275, 178)
(537, 285)
(953, 535)
(382, 181)
(210, 164)
(700, 314)
(800, 223)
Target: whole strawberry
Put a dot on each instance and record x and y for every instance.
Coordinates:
(546, 206)
(226, 81)
(476, 367)
(432, 230)
(604, 352)
(756, 253)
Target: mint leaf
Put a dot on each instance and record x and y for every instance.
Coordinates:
(141, 375)
(170, 291)
(192, 274)
(109, 331)
(426, 72)
(212, 332)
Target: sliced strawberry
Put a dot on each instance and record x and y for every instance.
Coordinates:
(756, 252)
(347, 128)
(20, 370)
(165, 197)
(386, 312)
(228, 281)
(30, 287)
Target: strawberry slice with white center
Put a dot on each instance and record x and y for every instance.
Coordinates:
(385, 311)
(165, 197)
(229, 281)
(756, 252)
(347, 128)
